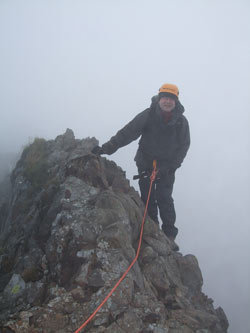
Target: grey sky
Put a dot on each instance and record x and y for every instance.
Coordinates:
(92, 65)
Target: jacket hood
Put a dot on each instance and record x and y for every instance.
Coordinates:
(176, 113)
(179, 107)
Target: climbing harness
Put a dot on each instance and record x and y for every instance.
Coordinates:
(144, 174)
(152, 179)
(147, 174)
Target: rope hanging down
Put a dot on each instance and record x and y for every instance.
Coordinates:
(152, 179)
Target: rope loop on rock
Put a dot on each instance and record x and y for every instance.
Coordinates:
(152, 179)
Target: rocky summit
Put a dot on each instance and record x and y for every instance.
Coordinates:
(70, 227)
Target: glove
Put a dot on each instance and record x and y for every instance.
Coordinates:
(97, 150)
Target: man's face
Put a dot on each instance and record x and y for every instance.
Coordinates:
(167, 104)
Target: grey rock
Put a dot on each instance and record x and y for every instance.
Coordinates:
(70, 229)
(15, 287)
(190, 273)
(222, 317)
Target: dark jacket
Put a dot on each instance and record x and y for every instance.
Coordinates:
(168, 143)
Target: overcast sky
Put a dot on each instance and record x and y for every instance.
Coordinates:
(92, 65)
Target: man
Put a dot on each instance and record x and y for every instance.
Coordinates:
(165, 137)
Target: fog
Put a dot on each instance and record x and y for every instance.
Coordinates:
(93, 65)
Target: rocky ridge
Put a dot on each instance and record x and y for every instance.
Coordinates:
(69, 230)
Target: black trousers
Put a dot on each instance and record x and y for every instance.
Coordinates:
(161, 197)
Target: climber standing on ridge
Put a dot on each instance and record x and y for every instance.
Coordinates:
(165, 137)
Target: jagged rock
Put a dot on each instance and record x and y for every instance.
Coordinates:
(15, 287)
(70, 229)
(222, 318)
(190, 273)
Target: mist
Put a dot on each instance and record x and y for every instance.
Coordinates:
(94, 65)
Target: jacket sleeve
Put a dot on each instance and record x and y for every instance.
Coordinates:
(127, 134)
(184, 144)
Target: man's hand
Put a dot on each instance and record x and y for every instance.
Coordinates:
(97, 150)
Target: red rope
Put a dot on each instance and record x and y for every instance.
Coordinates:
(152, 178)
